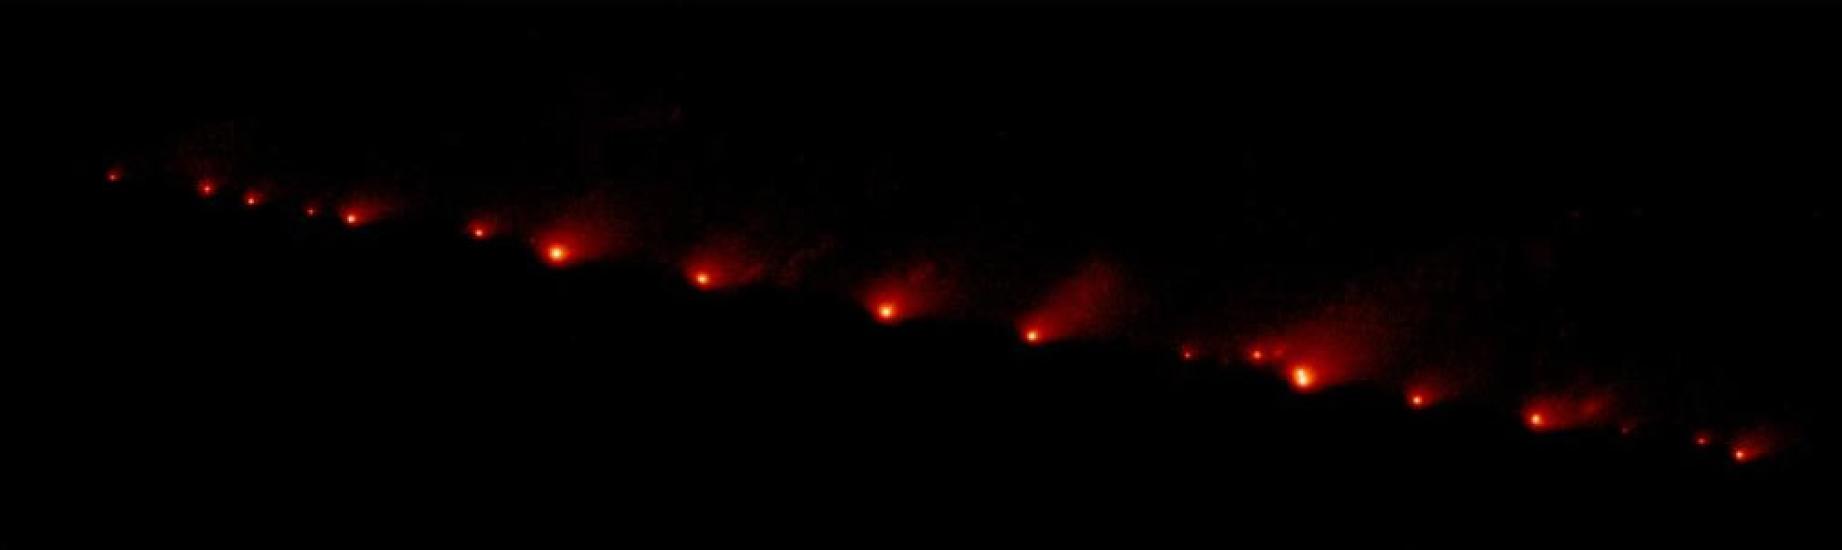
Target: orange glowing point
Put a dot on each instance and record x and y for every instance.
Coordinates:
(1536, 421)
(1032, 336)
(477, 231)
(556, 253)
(351, 219)
(1187, 354)
(1257, 355)
(1740, 455)
(1701, 441)
(1303, 378)
(206, 188)
(1418, 401)
(252, 199)
(702, 279)
(311, 211)
(886, 311)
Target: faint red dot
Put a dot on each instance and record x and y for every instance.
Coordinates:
(311, 211)
(252, 199)
(206, 188)
(351, 219)
(114, 175)
(1186, 353)
(1257, 355)
(477, 231)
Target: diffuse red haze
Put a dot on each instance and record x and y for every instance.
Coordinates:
(1090, 303)
(1756, 443)
(922, 289)
(580, 237)
(1428, 387)
(479, 230)
(358, 214)
(1339, 346)
(724, 260)
(728, 260)
(1567, 410)
(364, 207)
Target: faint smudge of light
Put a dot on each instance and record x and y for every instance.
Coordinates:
(207, 188)
(252, 198)
(1186, 353)
(478, 231)
(352, 219)
(114, 175)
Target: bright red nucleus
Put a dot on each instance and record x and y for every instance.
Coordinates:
(1033, 336)
(557, 254)
(913, 290)
(1756, 443)
(113, 175)
(1304, 377)
(207, 187)
(886, 312)
(252, 198)
(1093, 301)
(1576, 408)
